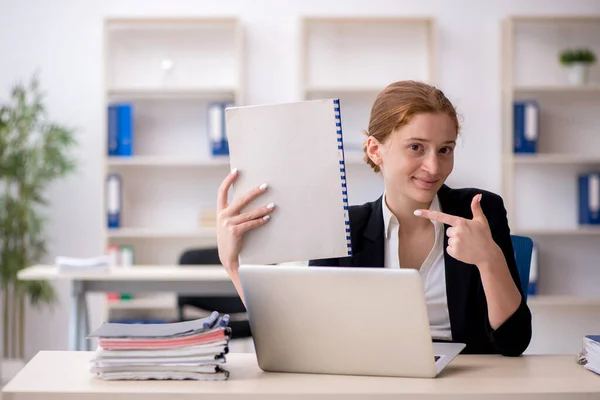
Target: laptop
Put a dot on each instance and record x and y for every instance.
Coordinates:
(342, 321)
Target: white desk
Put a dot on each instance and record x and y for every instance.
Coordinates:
(66, 376)
(190, 280)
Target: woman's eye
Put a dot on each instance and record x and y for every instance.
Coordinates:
(446, 150)
(415, 147)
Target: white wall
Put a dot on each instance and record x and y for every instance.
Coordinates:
(62, 40)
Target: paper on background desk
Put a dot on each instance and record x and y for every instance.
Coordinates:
(82, 264)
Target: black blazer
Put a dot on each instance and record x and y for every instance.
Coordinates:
(466, 299)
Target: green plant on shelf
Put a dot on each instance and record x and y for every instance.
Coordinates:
(579, 55)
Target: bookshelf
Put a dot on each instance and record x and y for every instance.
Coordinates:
(169, 70)
(540, 190)
(353, 59)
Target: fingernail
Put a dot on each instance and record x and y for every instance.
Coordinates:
(266, 217)
(480, 196)
(263, 186)
(234, 171)
(417, 212)
(271, 206)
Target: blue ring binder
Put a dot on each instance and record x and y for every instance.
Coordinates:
(338, 124)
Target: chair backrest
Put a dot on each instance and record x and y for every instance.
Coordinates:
(223, 304)
(523, 247)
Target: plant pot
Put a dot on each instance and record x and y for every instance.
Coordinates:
(578, 73)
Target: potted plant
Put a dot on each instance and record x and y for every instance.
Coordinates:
(578, 62)
(34, 152)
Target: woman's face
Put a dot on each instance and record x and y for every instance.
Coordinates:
(416, 159)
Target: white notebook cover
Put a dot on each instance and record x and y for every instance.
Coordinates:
(297, 149)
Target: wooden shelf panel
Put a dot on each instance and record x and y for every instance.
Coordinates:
(160, 93)
(543, 159)
(580, 231)
(157, 233)
(167, 161)
(563, 300)
(557, 89)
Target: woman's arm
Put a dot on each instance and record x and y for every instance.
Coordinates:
(509, 332)
(488, 246)
(501, 292)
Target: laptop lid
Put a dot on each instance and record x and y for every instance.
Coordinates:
(358, 321)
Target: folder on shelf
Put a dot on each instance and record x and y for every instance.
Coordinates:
(113, 200)
(216, 128)
(533, 271)
(297, 149)
(526, 126)
(589, 198)
(120, 129)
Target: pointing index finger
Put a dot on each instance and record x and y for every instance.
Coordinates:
(451, 220)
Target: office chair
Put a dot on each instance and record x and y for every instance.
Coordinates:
(523, 248)
(232, 305)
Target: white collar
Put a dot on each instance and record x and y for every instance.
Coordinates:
(389, 219)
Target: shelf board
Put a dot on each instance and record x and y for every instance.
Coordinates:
(578, 231)
(558, 89)
(164, 93)
(562, 300)
(562, 159)
(148, 233)
(344, 89)
(167, 161)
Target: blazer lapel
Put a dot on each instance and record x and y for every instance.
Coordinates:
(371, 251)
(458, 275)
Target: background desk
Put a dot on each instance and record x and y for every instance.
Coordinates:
(207, 280)
(66, 376)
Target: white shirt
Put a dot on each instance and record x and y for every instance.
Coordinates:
(433, 271)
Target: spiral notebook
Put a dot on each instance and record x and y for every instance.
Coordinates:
(297, 149)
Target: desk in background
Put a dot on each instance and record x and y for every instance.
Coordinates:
(190, 280)
(66, 376)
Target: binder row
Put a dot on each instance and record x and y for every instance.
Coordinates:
(526, 131)
(338, 125)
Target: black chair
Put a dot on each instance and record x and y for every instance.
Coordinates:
(232, 305)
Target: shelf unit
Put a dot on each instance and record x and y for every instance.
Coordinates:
(353, 59)
(540, 190)
(169, 69)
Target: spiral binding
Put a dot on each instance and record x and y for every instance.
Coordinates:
(338, 125)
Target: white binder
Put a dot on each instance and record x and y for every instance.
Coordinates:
(297, 149)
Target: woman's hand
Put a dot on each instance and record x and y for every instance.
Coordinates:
(469, 240)
(232, 225)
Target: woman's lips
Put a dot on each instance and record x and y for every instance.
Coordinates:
(425, 183)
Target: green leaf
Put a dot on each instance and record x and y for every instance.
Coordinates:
(39, 292)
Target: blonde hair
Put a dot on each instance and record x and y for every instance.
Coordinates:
(398, 103)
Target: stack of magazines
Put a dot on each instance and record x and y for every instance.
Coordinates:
(172, 351)
(589, 356)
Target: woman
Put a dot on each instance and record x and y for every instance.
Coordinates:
(458, 239)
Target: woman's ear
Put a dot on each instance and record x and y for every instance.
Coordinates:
(374, 150)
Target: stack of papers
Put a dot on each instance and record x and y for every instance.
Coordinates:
(590, 354)
(66, 264)
(176, 351)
